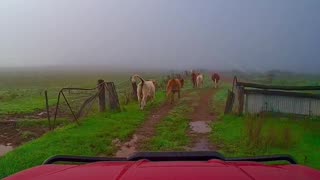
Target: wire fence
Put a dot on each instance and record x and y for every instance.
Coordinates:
(75, 103)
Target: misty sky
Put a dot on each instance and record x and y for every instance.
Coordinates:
(228, 34)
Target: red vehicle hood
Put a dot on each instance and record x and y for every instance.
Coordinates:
(144, 169)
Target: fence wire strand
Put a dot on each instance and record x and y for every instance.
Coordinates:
(75, 103)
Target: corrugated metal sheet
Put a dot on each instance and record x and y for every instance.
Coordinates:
(315, 107)
(255, 103)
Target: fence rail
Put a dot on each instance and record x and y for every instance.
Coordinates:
(286, 88)
(255, 98)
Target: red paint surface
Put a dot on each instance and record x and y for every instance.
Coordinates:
(213, 169)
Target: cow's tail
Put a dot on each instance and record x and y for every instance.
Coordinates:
(133, 80)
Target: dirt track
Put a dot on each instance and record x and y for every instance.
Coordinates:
(146, 131)
(199, 126)
(201, 119)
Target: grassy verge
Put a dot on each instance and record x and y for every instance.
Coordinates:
(243, 136)
(252, 136)
(222, 92)
(92, 137)
(171, 133)
(220, 97)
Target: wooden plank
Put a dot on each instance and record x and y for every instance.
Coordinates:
(113, 96)
(241, 99)
(276, 87)
(282, 93)
(47, 107)
(102, 95)
(229, 102)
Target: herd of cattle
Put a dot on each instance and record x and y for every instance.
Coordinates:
(146, 89)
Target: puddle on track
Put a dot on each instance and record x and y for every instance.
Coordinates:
(4, 149)
(128, 148)
(201, 145)
(200, 127)
(200, 124)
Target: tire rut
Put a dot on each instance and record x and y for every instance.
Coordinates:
(201, 119)
(145, 132)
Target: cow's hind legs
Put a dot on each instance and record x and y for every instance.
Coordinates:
(172, 98)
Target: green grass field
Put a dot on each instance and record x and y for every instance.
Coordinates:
(253, 136)
(23, 92)
(233, 135)
(244, 136)
(92, 137)
(287, 79)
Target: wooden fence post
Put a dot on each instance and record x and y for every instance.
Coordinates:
(47, 107)
(102, 95)
(113, 96)
(134, 91)
(229, 102)
(241, 99)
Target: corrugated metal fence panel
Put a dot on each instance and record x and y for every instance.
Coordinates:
(256, 103)
(315, 107)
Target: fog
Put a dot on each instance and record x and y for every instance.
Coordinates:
(161, 34)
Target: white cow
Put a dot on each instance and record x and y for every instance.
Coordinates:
(146, 90)
(199, 81)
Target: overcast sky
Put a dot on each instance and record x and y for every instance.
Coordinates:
(242, 34)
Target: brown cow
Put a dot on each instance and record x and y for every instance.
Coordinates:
(173, 86)
(194, 79)
(215, 78)
(182, 82)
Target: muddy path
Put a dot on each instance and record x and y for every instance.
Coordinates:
(146, 131)
(12, 135)
(201, 118)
